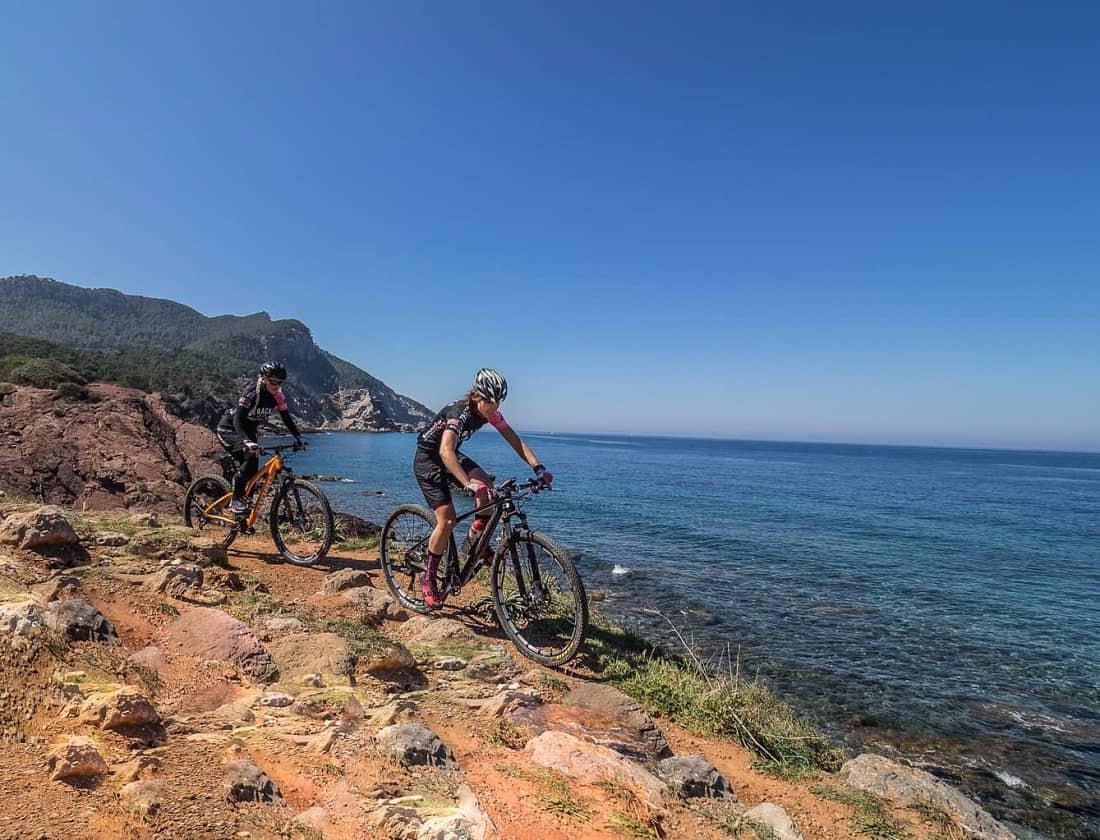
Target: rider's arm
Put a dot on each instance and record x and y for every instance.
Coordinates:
(284, 412)
(514, 440)
(449, 455)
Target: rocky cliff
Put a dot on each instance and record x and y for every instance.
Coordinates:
(98, 447)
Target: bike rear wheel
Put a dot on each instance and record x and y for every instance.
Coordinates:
(301, 522)
(204, 492)
(403, 553)
(539, 598)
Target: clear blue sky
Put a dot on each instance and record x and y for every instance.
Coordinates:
(864, 222)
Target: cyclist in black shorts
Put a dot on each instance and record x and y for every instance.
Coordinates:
(239, 426)
(438, 464)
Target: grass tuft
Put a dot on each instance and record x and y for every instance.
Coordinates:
(933, 812)
(869, 815)
(682, 689)
(506, 734)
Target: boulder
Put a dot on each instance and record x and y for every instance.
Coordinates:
(391, 713)
(414, 743)
(691, 776)
(283, 624)
(112, 540)
(78, 620)
(510, 700)
(775, 820)
(143, 798)
(344, 579)
(386, 656)
(245, 782)
(591, 762)
(374, 605)
(141, 767)
(439, 631)
(400, 822)
(626, 726)
(350, 527)
(150, 657)
(313, 653)
(55, 588)
(213, 634)
(315, 818)
(468, 820)
(20, 617)
(909, 786)
(122, 708)
(45, 527)
(75, 758)
(206, 550)
(177, 581)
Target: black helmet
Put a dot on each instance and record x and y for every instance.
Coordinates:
(273, 370)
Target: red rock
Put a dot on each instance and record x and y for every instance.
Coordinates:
(121, 450)
(213, 634)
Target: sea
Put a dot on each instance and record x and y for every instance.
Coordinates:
(938, 605)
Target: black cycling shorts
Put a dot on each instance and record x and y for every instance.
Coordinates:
(434, 479)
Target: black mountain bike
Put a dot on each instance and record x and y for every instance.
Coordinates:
(536, 592)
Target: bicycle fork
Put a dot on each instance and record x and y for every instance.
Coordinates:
(535, 576)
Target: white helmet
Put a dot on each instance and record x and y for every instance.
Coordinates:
(490, 385)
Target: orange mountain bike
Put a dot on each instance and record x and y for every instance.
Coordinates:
(300, 515)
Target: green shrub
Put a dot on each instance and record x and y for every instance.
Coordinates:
(44, 373)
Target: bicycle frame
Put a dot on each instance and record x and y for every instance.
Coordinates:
(266, 475)
(503, 510)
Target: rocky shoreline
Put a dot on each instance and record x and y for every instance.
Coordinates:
(152, 685)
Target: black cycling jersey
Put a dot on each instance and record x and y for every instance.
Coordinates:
(256, 404)
(461, 418)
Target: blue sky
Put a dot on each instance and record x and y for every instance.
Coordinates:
(859, 221)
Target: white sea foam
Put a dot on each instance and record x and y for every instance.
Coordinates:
(620, 570)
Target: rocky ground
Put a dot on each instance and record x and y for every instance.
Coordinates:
(153, 686)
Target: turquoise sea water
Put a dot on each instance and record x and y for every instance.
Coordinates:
(942, 604)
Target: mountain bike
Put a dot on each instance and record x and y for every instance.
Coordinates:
(536, 593)
(300, 515)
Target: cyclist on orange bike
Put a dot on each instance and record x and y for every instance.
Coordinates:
(239, 426)
(438, 464)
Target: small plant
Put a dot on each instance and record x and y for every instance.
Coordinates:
(630, 825)
(111, 661)
(279, 826)
(552, 683)
(357, 543)
(330, 768)
(934, 813)
(566, 807)
(869, 816)
(506, 734)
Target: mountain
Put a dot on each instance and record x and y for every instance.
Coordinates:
(199, 364)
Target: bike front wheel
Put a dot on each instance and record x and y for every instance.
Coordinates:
(539, 598)
(204, 505)
(403, 553)
(301, 522)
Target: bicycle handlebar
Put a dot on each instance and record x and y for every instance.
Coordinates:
(510, 487)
